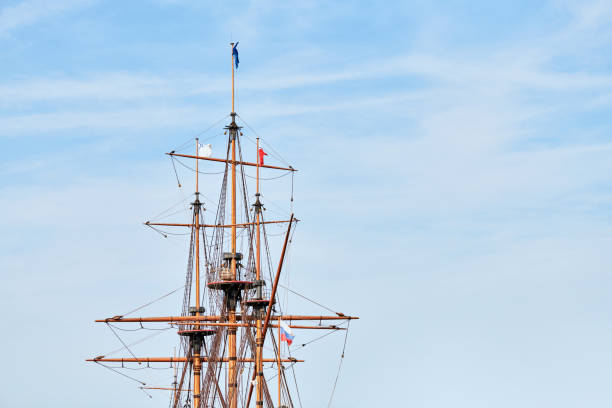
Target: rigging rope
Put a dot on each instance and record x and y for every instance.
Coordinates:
(270, 178)
(120, 373)
(175, 173)
(310, 300)
(137, 342)
(339, 365)
(122, 342)
(276, 154)
(188, 141)
(153, 301)
(319, 338)
(295, 381)
(194, 170)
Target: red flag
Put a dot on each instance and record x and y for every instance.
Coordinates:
(261, 156)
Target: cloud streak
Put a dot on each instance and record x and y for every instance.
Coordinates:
(31, 11)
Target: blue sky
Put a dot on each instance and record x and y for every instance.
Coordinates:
(454, 188)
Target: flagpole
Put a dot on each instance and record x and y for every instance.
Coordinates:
(232, 45)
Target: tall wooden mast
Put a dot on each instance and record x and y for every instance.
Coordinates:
(231, 295)
(234, 283)
(196, 340)
(259, 338)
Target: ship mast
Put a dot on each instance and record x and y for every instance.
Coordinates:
(197, 339)
(231, 295)
(258, 315)
(234, 283)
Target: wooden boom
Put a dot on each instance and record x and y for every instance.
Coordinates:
(185, 359)
(231, 161)
(195, 319)
(246, 224)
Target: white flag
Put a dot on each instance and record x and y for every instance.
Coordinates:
(205, 150)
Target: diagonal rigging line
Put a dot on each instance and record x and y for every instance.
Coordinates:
(172, 206)
(278, 156)
(295, 381)
(310, 300)
(122, 342)
(137, 341)
(175, 173)
(318, 338)
(184, 145)
(339, 366)
(120, 373)
(153, 301)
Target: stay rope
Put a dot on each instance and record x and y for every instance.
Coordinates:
(339, 366)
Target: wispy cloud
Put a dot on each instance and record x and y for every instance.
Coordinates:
(31, 11)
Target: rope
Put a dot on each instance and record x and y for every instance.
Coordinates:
(136, 342)
(339, 366)
(310, 300)
(192, 169)
(122, 342)
(175, 173)
(276, 154)
(270, 178)
(317, 338)
(140, 328)
(291, 201)
(153, 301)
(295, 381)
(120, 373)
(201, 133)
(163, 213)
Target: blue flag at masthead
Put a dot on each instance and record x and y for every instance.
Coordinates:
(235, 54)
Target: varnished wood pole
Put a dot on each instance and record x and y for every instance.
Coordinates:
(244, 224)
(279, 363)
(185, 359)
(272, 295)
(231, 335)
(266, 166)
(232, 47)
(259, 338)
(293, 326)
(183, 319)
(197, 364)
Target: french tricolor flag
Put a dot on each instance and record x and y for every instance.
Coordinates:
(286, 333)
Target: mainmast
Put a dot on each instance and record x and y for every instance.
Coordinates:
(235, 283)
(231, 295)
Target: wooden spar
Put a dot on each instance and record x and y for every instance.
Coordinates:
(185, 359)
(272, 295)
(232, 397)
(197, 364)
(234, 162)
(184, 319)
(258, 337)
(232, 45)
(240, 225)
(177, 395)
(278, 271)
(278, 364)
(332, 327)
